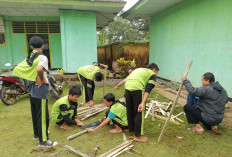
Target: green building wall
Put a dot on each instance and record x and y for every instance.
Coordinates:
(56, 51)
(78, 38)
(15, 49)
(5, 50)
(194, 30)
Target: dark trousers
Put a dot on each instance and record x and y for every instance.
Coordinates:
(89, 92)
(40, 118)
(67, 117)
(193, 116)
(133, 100)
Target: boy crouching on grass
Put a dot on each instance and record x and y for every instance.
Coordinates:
(117, 114)
(64, 110)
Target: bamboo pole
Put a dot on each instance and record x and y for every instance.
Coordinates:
(90, 115)
(77, 134)
(116, 149)
(153, 112)
(71, 149)
(149, 109)
(175, 102)
(164, 118)
(122, 151)
(104, 83)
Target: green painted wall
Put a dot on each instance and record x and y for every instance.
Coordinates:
(4, 56)
(194, 30)
(15, 49)
(5, 50)
(18, 48)
(78, 38)
(55, 48)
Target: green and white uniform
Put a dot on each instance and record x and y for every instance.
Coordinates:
(38, 96)
(88, 71)
(139, 81)
(86, 76)
(118, 113)
(64, 111)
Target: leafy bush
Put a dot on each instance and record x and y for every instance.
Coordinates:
(123, 66)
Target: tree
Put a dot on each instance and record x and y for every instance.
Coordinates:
(122, 30)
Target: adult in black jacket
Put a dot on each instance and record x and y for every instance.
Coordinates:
(211, 104)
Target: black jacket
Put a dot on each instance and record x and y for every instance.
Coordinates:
(212, 101)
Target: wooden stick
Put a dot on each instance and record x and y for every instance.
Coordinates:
(95, 151)
(164, 118)
(148, 111)
(175, 102)
(162, 111)
(135, 150)
(178, 119)
(123, 150)
(89, 110)
(94, 110)
(169, 104)
(104, 83)
(77, 134)
(178, 114)
(71, 149)
(83, 108)
(116, 149)
(90, 115)
(153, 112)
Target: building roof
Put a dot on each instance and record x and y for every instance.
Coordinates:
(105, 10)
(146, 8)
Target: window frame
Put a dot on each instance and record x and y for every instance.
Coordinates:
(4, 34)
(50, 27)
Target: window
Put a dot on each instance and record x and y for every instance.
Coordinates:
(32, 27)
(2, 38)
(18, 27)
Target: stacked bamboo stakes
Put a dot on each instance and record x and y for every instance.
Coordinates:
(86, 112)
(118, 150)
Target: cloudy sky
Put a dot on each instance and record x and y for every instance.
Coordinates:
(129, 4)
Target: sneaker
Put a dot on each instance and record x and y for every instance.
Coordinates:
(35, 137)
(48, 143)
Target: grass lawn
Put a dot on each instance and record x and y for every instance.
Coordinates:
(16, 135)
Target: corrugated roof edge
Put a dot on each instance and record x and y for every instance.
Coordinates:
(133, 8)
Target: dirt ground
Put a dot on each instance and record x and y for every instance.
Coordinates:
(161, 89)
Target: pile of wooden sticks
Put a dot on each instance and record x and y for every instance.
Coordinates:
(86, 112)
(160, 110)
(124, 147)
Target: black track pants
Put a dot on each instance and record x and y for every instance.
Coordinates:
(133, 100)
(40, 118)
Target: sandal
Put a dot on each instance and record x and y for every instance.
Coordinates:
(195, 131)
(216, 132)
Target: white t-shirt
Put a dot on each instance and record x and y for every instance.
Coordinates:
(44, 62)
